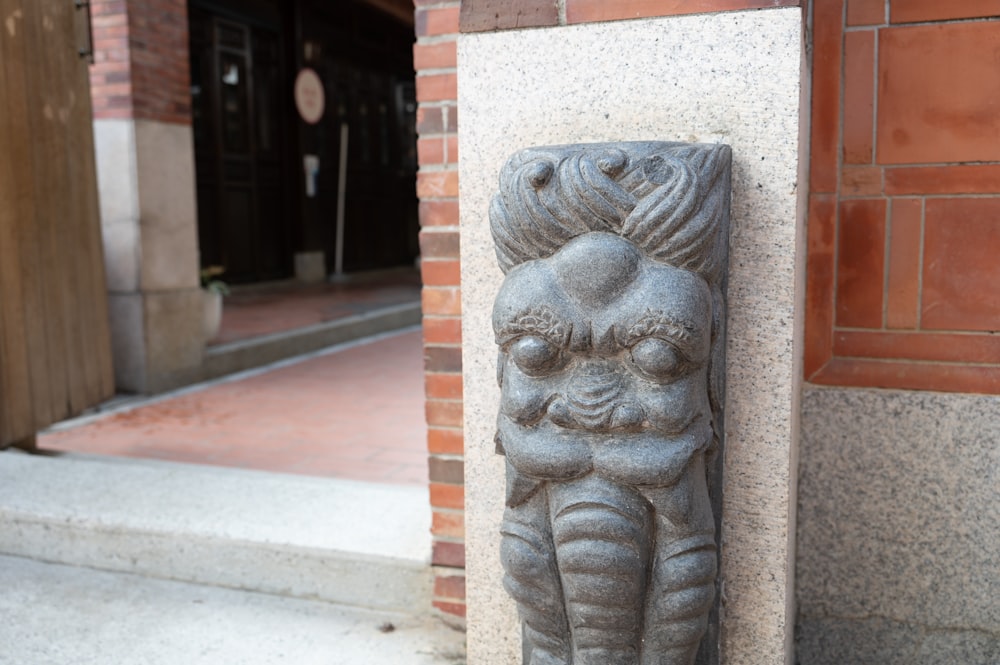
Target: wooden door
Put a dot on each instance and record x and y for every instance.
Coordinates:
(238, 120)
(379, 109)
(55, 352)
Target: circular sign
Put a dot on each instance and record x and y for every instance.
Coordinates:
(310, 99)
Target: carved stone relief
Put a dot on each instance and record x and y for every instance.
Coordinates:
(611, 328)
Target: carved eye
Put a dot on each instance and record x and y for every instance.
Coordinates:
(656, 359)
(534, 356)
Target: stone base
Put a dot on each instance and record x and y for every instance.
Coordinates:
(899, 528)
(145, 175)
(878, 640)
(157, 339)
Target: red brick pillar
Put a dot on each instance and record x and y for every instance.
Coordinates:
(141, 60)
(110, 75)
(437, 188)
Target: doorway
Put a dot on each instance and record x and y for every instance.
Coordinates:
(375, 112)
(240, 136)
(365, 62)
(258, 205)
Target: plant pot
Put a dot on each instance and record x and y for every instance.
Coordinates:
(213, 314)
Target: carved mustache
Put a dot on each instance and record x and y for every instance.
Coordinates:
(596, 402)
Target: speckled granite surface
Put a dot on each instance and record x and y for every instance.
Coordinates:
(734, 78)
(899, 527)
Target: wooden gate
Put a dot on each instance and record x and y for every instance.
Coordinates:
(55, 355)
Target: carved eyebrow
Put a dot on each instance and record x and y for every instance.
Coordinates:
(660, 324)
(538, 321)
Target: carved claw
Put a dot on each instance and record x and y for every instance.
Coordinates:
(532, 580)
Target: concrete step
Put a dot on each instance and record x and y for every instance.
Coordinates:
(346, 542)
(245, 354)
(54, 615)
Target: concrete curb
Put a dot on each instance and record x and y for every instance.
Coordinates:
(245, 354)
(346, 542)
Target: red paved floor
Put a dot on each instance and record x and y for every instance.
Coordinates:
(357, 413)
(253, 311)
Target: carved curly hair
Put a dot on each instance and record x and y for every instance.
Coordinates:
(667, 198)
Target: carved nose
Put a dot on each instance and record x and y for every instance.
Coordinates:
(595, 401)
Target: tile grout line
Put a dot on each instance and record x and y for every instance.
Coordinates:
(839, 166)
(920, 263)
(887, 217)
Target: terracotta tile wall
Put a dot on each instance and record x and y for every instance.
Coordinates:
(588, 11)
(903, 284)
(437, 186)
(141, 63)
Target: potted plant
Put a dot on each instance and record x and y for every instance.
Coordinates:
(214, 289)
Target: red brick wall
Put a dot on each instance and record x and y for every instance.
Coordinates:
(158, 41)
(904, 212)
(141, 60)
(437, 186)
(110, 75)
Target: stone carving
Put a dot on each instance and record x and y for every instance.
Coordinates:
(611, 328)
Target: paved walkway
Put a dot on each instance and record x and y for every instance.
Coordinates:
(61, 614)
(356, 412)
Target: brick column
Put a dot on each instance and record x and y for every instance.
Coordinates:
(110, 75)
(145, 169)
(437, 187)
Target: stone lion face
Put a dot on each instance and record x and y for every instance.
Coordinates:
(603, 364)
